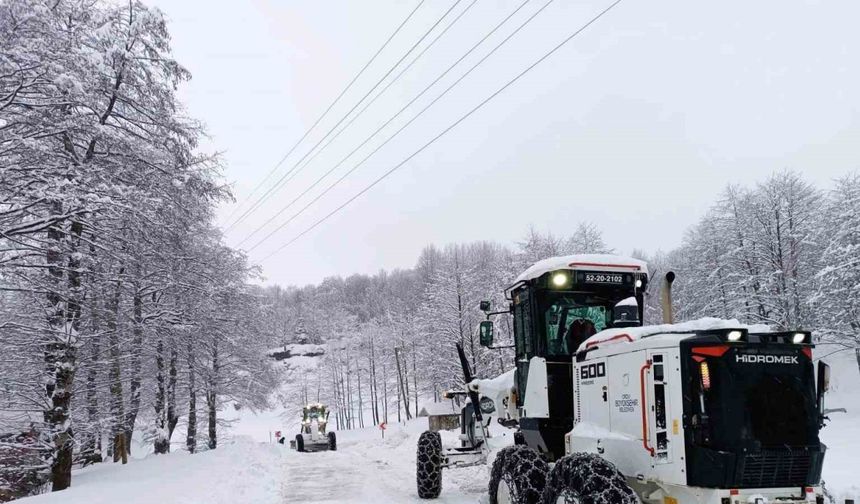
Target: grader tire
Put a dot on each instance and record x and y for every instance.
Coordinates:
(522, 471)
(586, 478)
(429, 465)
(332, 441)
(300, 443)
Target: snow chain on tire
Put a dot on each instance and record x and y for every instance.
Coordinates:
(523, 470)
(586, 478)
(429, 465)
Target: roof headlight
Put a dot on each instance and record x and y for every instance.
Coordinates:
(798, 338)
(734, 335)
(559, 279)
(638, 283)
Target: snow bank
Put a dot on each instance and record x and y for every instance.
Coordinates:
(842, 433)
(586, 261)
(241, 471)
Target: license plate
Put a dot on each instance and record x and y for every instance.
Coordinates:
(604, 278)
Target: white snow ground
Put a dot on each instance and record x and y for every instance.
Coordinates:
(365, 469)
(249, 469)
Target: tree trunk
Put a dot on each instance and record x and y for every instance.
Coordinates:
(212, 397)
(415, 376)
(402, 390)
(60, 351)
(191, 435)
(91, 449)
(136, 351)
(336, 398)
(374, 383)
(211, 408)
(360, 401)
(344, 402)
(117, 405)
(406, 394)
(172, 414)
(161, 440)
(349, 415)
(385, 391)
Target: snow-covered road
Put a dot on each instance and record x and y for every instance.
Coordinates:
(367, 468)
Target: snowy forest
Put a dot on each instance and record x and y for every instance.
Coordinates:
(120, 308)
(123, 314)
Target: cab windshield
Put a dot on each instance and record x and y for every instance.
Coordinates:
(569, 319)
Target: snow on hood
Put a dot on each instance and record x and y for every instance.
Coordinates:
(584, 261)
(635, 333)
(498, 386)
(497, 389)
(631, 301)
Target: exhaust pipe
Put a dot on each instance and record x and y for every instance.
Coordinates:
(666, 298)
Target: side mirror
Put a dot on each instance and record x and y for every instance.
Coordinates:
(486, 332)
(823, 387)
(486, 306)
(823, 378)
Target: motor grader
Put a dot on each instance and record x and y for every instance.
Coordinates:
(608, 411)
(313, 435)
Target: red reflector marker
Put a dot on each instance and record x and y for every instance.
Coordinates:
(734, 491)
(808, 352)
(711, 351)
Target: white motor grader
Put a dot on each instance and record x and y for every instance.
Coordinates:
(313, 435)
(608, 411)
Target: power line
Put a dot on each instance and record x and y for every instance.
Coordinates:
(397, 114)
(367, 105)
(332, 104)
(446, 130)
(404, 126)
(277, 184)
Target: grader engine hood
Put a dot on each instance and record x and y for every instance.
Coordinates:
(752, 416)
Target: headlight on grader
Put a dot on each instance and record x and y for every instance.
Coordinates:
(560, 279)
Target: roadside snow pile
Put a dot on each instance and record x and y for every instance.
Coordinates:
(842, 434)
(238, 471)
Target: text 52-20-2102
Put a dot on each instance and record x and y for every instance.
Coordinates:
(612, 278)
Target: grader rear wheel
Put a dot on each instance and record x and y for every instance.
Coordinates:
(518, 476)
(586, 478)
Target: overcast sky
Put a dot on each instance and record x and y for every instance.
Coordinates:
(636, 125)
